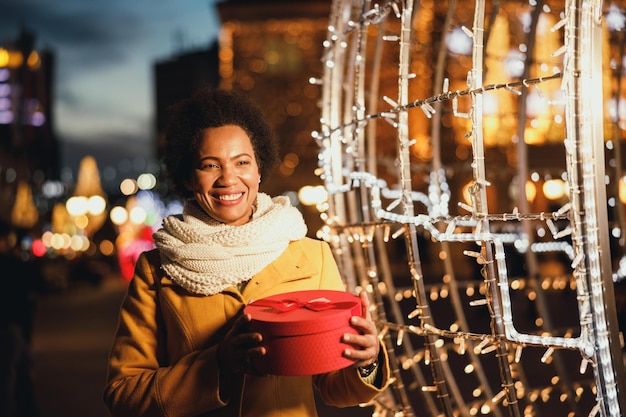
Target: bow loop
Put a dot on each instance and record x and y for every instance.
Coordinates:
(290, 304)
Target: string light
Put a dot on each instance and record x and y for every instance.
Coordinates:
(340, 141)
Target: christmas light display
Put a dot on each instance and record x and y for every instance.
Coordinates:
(484, 337)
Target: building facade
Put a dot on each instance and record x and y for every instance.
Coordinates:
(29, 150)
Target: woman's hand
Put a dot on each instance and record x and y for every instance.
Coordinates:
(366, 344)
(239, 348)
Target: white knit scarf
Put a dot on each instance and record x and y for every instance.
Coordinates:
(205, 256)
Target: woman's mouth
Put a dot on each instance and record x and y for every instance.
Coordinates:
(229, 197)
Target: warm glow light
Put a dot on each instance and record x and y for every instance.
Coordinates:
(531, 191)
(146, 181)
(77, 242)
(56, 241)
(312, 195)
(46, 238)
(11, 59)
(77, 205)
(465, 192)
(118, 215)
(622, 190)
(4, 57)
(24, 213)
(554, 189)
(107, 248)
(137, 215)
(33, 61)
(291, 160)
(128, 186)
(96, 205)
(81, 221)
(64, 241)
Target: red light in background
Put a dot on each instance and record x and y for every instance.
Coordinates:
(38, 248)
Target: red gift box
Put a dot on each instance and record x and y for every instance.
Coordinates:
(302, 331)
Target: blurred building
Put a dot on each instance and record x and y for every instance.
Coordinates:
(29, 151)
(177, 77)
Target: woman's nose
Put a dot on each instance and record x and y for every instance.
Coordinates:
(228, 176)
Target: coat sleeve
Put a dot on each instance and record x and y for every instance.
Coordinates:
(345, 387)
(138, 372)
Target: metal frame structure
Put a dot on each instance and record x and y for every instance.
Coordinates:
(359, 228)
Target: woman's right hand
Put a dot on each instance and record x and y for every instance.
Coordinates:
(239, 348)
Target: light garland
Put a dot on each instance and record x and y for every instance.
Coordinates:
(358, 225)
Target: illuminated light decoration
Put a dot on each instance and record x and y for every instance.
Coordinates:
(128, 252)
(77, 205)
(38, 248)
(5, 90)
(312, 195)
(4, 57)
(96, 204)
(6, 111)
(88, 199)
(34, 115)
(24, 213)
(10, 58)
(137, 215)
(33, 61)
(52, 189)
(6, 117)
(358, 232)
(118, 215)
(146, 181)
(154, 208)
(129, 186)
(106, 248)
(135, 224)
(554, 189)
(622, 190)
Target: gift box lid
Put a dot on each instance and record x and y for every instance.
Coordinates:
(303, 312)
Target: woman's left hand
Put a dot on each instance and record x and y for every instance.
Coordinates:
(366, 343)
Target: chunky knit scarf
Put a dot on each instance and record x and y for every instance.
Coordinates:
(205, 256)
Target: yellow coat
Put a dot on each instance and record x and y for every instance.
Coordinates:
(163, 361)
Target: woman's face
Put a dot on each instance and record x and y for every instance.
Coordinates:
(225, 176)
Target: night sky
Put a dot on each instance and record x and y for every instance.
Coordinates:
(105, 51)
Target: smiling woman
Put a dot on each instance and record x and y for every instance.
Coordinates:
(184, 345)
(226, 178)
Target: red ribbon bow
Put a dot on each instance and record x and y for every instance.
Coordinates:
(290, 304)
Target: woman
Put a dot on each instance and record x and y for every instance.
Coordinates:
(182, 347)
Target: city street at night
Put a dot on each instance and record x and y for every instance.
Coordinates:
(72, 336)
(459, 164)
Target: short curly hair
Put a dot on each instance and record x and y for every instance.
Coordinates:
(209, 108)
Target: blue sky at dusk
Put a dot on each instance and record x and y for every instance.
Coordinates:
(105, 51)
